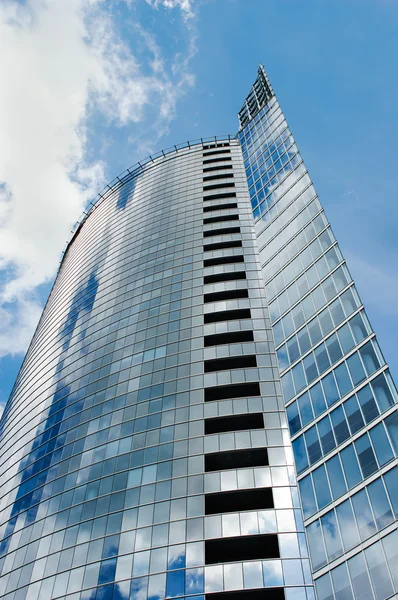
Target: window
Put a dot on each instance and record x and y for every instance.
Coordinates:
(360, 578)
(222, 245)
(234, 423)
(366, 456)
(231, 362)
(392, 428)
(217, 186)
(227, 315)
(234, 337)
(341, 583)
(378, 571)
(236, 459)
(331, 535)
(218, 176)
(336, 476)
(220, 219)
(347, 523)
(307, 496)
(364, 516)
(220, 196)
(321, 487)
(222, 231)
(350, 466)
(241, 548)
(238, 390)
(380, 504)
(241, 500)
(381, 444)
(223, 260)
(316, 545)
(224, 206)
(219, 277)
(226, 295)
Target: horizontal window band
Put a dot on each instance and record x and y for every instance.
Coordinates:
(220, 207)
(217, 168)
(222, 245)
(222, 231)
(234, 423)
(218, 159)
(220, 219)
(230, 362)
(219, 277)
(225, 502)
(225, 295)
(227, 315)
(219, 196)
(248, 547)
(213, 152)
(218, 186)
(235, 390)
(218, 176)
(232, 337)
(254, 594)
(223, 260)
(236, 459)
(216, 145)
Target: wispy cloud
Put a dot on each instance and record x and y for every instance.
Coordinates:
(60, 61)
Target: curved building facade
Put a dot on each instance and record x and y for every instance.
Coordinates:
(203, 394)
(144, 449)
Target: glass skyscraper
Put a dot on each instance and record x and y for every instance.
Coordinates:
(338, 392)
(203, 394)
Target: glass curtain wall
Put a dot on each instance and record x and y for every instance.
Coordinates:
(339, 396)
(144, 449)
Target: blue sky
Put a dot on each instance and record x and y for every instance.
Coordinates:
(125, 79)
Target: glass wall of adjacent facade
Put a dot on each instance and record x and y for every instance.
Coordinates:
(339, 396)
(145, 450)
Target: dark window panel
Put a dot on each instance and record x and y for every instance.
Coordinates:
(227, 295)
(237, 390)
(222, 245)
(227, 315)
(230, 362)
(249, 547)
(218, 186)
(224, 502)
(234, 423)
(223, 260)
(220, 206)
(219, 196)
(219, 277)
(222, 231)
(220, 219)
(236, 459)
(234, 337)
(259, 594)
(218, 176)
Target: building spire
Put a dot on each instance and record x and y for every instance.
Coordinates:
(260, 94)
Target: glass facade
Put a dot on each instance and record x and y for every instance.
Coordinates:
(203, 395)
(145, 450)
(339, 396)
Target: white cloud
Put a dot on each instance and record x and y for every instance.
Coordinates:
(58, 61)
(184, 5)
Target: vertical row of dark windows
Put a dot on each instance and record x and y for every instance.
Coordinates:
(242, 547)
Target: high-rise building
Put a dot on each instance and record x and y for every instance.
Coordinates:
(193, 367)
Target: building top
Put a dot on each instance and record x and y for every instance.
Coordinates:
(133, 172)
(260, 94)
